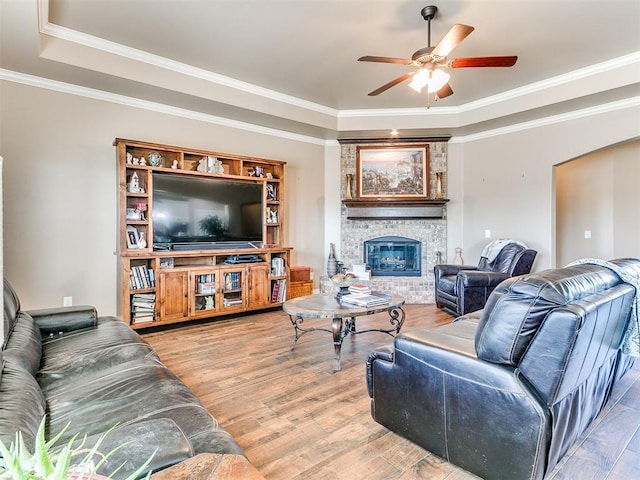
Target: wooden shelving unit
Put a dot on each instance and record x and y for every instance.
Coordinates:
(162, 287)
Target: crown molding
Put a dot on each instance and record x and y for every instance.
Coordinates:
(633, 102)
(67, 88)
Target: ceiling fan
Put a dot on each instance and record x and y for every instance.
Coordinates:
(429, 62)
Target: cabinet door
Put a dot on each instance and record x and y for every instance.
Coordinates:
(258, 286)
(233, 287)
(173, 299)
(203, 296)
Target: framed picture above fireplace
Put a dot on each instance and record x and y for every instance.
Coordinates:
(392, 172)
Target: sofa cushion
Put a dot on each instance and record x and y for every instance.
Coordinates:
(71, 356)
(131, 392)
(518, 306)
(159, 438)
(22, 405)
(448, 284)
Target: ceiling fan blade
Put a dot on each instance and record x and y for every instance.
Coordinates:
(392, 83)
(471, 62)
(451, 40)
(444, 91)
(401, 61)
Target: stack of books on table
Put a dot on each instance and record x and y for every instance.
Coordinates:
(364, 300)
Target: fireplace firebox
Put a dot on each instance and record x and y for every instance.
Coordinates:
(393, 256)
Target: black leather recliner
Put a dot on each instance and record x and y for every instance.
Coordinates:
(505, 392)
(461, 289)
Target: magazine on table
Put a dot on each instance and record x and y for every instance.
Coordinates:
(365, 300)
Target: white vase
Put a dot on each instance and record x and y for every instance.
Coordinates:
(457, 260)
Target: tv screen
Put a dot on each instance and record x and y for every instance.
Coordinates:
(190, 209)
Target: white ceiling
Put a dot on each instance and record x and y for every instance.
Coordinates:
(291, 64)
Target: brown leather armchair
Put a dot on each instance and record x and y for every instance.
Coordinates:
(461, 289)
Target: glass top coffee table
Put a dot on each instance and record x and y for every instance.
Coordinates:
(342, 315)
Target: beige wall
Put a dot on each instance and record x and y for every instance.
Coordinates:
(508, 185)
(598, 193)
(60, 189)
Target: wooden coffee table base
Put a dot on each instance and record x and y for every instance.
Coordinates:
(343, 318)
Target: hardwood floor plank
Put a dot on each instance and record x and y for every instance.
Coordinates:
(297, 419)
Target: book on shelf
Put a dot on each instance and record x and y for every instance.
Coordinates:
(142, 319)
(279, 291)
(230, 302)
(274, 292)
(278, 267)
(282, 294)
(364, 300)
(143, 306)
(141, 277)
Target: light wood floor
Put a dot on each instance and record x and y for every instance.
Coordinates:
(296, 419)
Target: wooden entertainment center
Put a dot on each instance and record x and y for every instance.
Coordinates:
(170, 283)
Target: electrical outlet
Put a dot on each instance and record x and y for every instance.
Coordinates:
(487, 234)
(587, 234)
(67, 301)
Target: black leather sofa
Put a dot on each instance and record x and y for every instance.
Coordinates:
(506, 391)
(94, 373)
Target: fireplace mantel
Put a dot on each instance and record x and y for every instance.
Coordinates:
(386, 208)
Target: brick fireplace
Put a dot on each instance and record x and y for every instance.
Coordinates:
(430, 233)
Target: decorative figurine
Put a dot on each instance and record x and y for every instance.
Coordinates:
(142, 241)
(174, 165)
(129, 158)
(208, 303)
(134, 183)
(271, 191)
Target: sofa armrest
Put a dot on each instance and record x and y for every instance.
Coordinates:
(55, 320)
(480, 279)
(523, 262)
(445, 270)
(385, 354)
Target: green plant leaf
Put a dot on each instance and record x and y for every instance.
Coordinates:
(43, 464)
(53, 463)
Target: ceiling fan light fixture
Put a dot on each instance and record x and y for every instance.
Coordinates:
(434, 80)
(420, 80)
(439, 79)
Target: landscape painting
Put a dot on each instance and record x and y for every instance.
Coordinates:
(392, 172)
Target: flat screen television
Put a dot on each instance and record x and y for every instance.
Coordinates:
(192, 211)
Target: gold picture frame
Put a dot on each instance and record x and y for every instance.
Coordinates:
(395, 172)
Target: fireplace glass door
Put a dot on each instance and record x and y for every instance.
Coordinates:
(393, 256)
